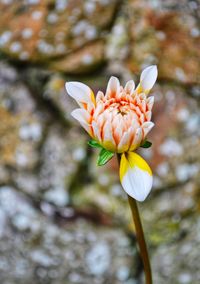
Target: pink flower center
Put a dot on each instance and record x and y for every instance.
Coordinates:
(120, 115)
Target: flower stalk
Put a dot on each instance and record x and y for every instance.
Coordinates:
(141, 239)
(140, 236)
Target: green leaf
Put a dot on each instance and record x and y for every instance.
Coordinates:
(104, 157)
(93, 143)
(146, 144)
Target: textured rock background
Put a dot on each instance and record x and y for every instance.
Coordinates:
(62, 219)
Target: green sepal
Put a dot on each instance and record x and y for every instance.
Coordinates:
(146, 144)
(104, 157)
(93, 143)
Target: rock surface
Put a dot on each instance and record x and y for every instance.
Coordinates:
(35, 249)
(45, 31)
(166, 33)
(62, 219)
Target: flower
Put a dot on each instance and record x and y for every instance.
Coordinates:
(119, 122)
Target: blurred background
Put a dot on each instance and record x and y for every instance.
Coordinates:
(63, 220)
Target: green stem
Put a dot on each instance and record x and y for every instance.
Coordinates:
(141, 239)
(140, 236)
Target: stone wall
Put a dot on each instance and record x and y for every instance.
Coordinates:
(62, 219)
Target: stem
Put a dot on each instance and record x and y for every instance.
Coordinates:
(141, 239)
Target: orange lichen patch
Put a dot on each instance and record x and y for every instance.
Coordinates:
(82, 60)
(178, 46)
(169, 126)
(45, 30)
(166, 37)
(24, 22)
(9, 137)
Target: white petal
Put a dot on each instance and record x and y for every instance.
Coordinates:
(96, 131)
(143, 105)
(80, 92)
(135, 176)
(98, 110)
(148, 115)
(148, 77)
(137, 139)
(117, 128)
(113, 87)
(100, 96)
(118, 131)
(130, 87)
(83, 117)
(147, 126)
(124, 143)
(150, 102)
(80, 115)
(142, 118)
(142, 96)
(137, 183)
(108, 140)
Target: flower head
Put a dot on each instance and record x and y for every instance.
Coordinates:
(119, 121)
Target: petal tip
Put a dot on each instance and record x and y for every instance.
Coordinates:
(113, 86)
(148, 77)
(67, 86)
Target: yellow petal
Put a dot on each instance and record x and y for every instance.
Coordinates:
(135, 176)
